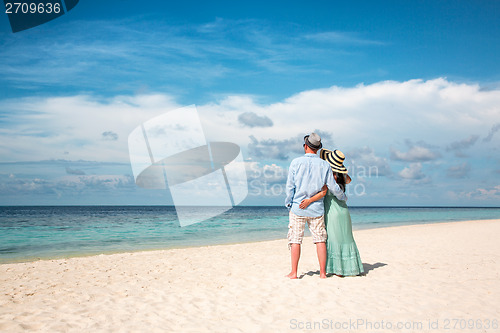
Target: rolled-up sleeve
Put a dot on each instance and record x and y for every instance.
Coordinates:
(334, 187)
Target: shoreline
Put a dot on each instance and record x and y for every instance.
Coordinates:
(425, 274)
(372, 226)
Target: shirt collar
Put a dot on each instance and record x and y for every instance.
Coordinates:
(311, 155)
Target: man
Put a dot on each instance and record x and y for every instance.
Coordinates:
(306, 177)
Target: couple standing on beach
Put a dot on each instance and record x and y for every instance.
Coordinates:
(310, 179)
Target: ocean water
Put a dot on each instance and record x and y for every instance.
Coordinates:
(44, 232)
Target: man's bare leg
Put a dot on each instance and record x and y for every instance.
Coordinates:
(295, 253)
(321, 250)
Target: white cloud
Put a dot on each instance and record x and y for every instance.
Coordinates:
(337, 37)
(270, 173)
(414, 154)
(251, 119)
(380, 115)
(416, 119)
(413, 171)
(275, 149)
(491, 193)
(76, 128)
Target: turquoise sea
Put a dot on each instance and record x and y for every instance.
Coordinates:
(29, 233)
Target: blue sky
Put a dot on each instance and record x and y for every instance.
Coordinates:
(410, 91)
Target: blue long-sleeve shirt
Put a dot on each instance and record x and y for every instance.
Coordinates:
(306, 177)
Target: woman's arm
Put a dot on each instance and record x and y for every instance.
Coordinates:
(317, 196)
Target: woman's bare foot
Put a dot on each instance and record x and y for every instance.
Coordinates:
(291, 275)
(322, 276)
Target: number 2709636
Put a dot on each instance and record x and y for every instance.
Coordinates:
(32, 8)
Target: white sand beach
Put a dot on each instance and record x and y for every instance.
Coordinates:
(423, 278)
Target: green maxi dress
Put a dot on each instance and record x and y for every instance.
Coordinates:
(342, 253)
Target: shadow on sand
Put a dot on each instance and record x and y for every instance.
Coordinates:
(371, 267)
(366, 267)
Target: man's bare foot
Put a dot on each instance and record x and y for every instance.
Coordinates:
(291, 275)
(322, 276)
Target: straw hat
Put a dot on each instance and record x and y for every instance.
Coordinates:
(335, 158)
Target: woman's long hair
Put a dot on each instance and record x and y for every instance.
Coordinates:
(339, 177)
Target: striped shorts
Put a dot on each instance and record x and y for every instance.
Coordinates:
(296, 228)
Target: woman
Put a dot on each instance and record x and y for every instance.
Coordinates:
(342, 253)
